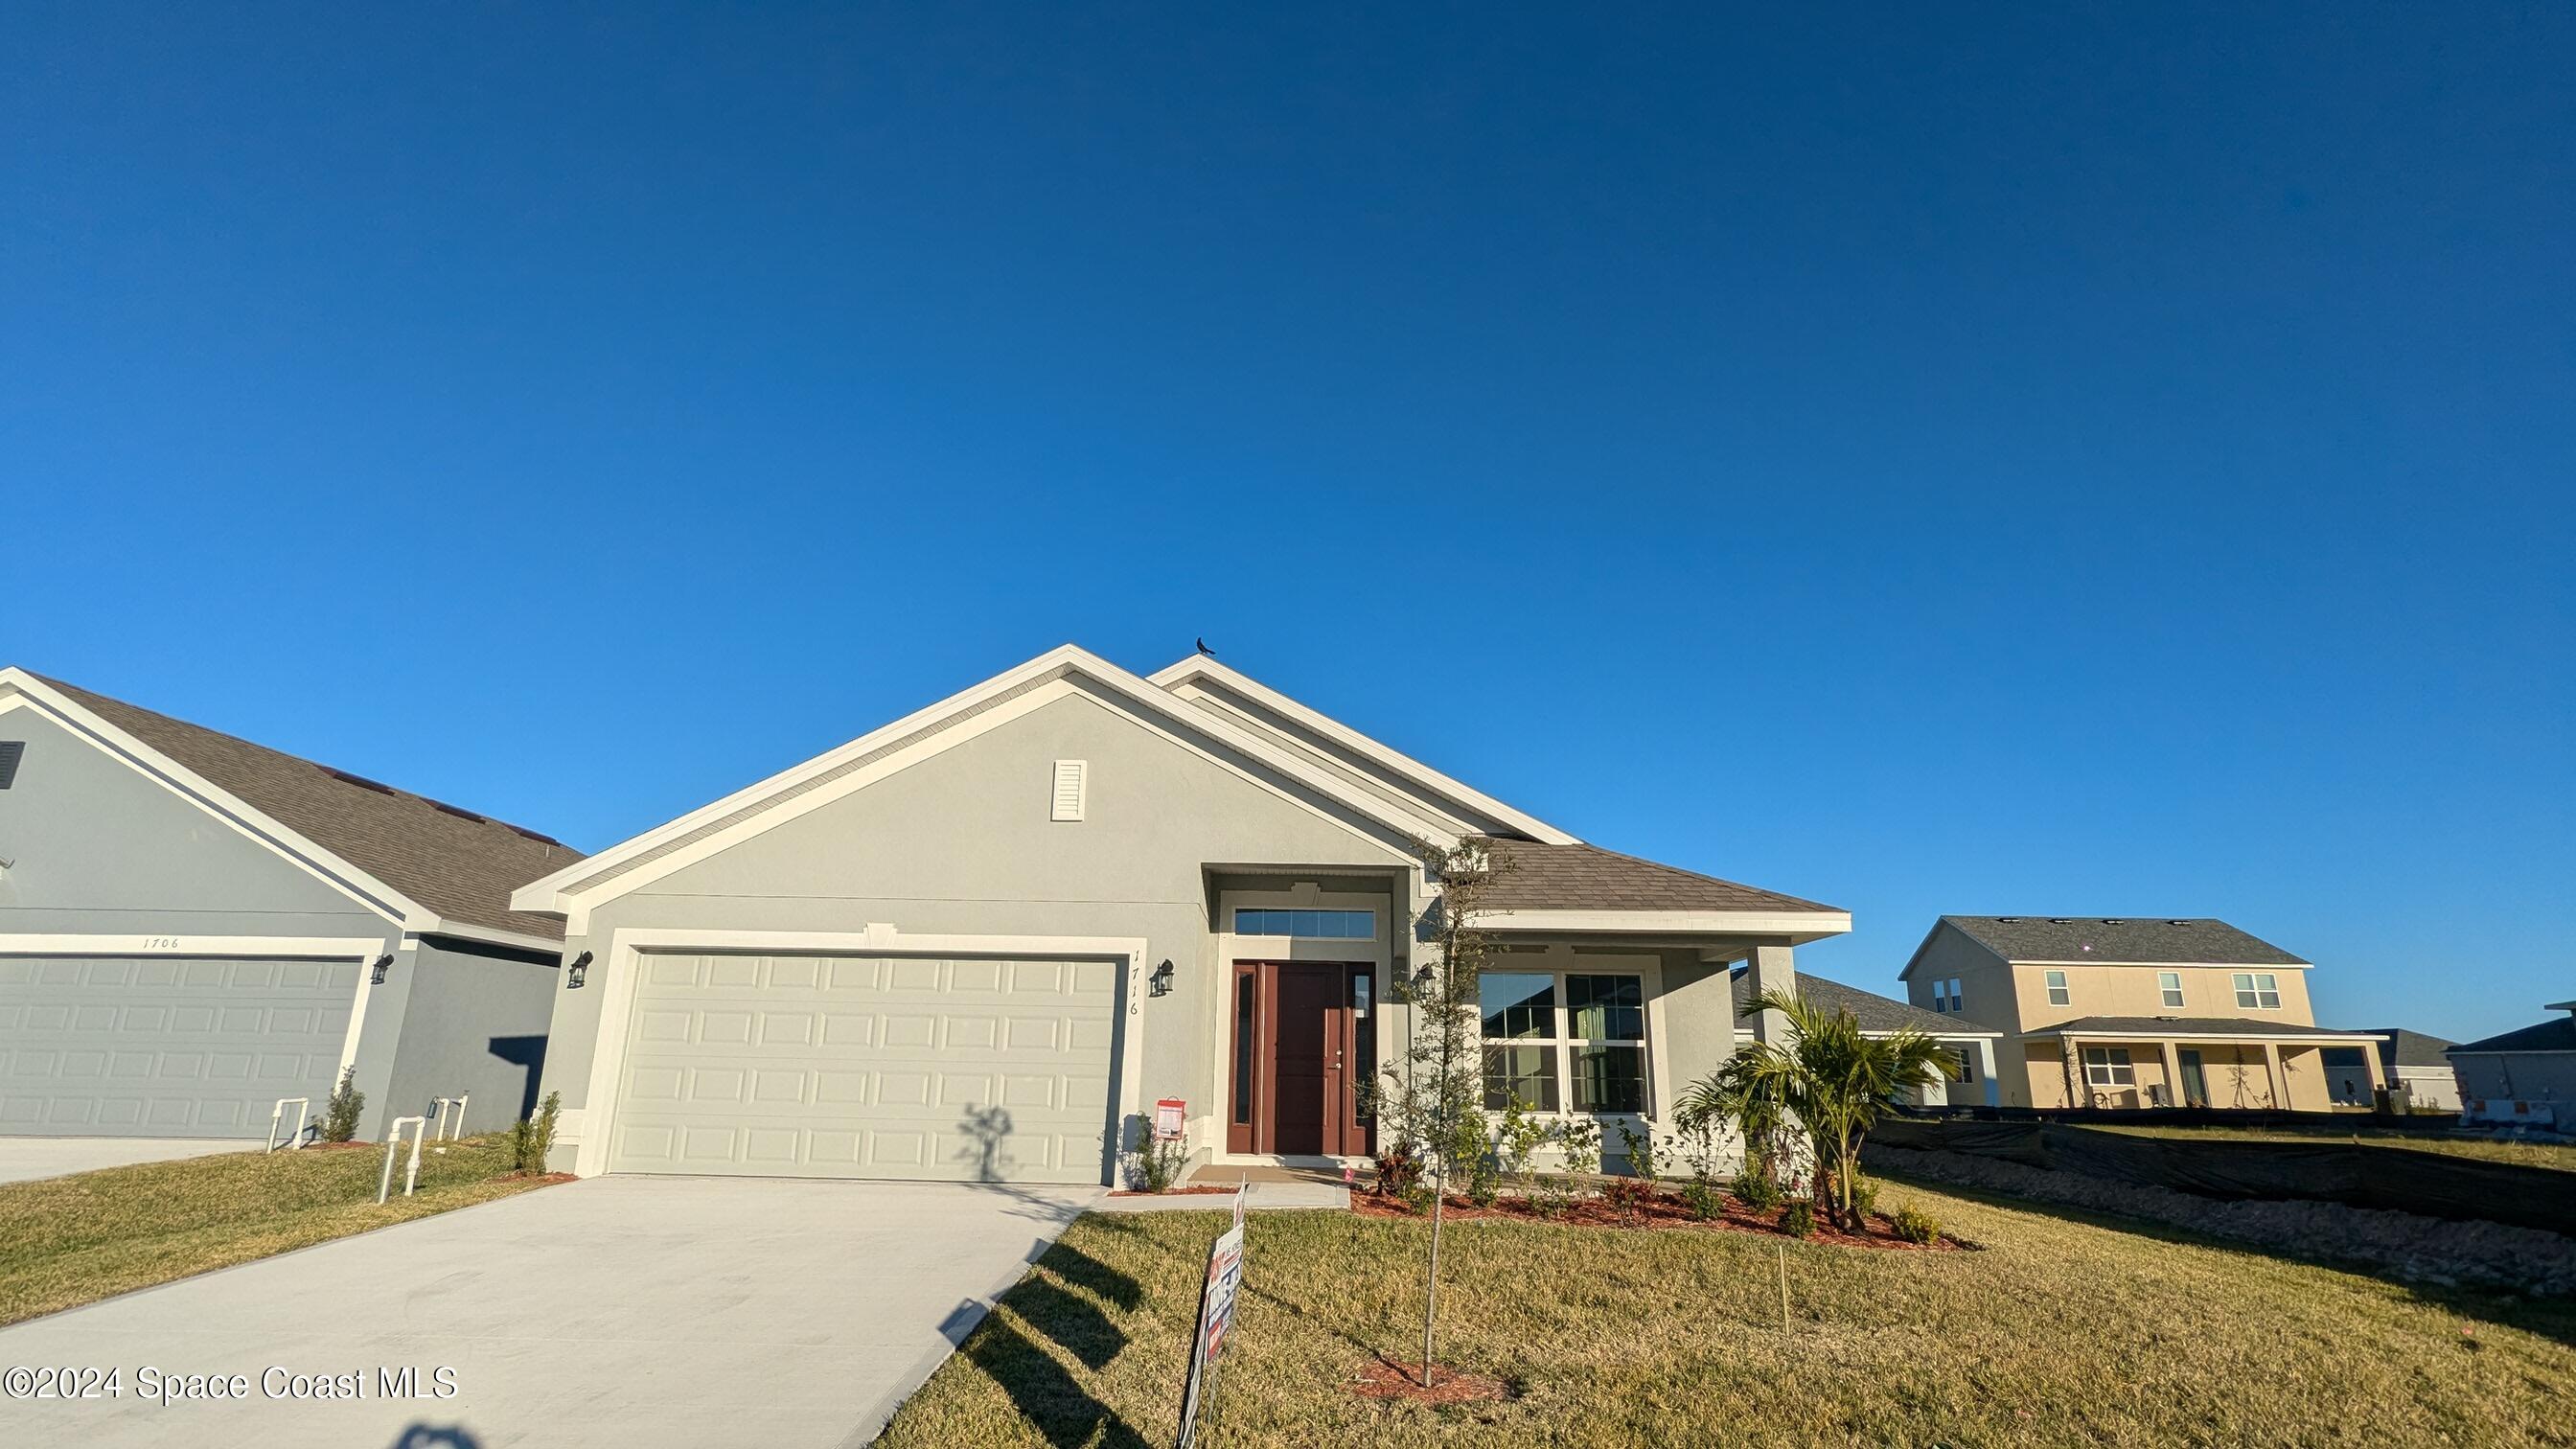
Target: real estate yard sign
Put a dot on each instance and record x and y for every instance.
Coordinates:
(1216, 1317)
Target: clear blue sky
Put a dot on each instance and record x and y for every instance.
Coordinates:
(1934, 459)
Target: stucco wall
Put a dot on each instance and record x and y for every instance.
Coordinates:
(1985, 984)
(97, 847)
(476, 1025)
(2536, 1077)
(2208, 991)
(962, 843)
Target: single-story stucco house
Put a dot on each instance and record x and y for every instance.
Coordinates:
(2418, 1070)
(2522, 1078)
(1971, 1047)
(988, 940)
(193, 926)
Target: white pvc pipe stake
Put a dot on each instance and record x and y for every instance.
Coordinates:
(449, 1129)
(393, 1144)
(277, 1114)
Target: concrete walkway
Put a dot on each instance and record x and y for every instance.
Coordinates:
(24, 1159)
(627, 1311)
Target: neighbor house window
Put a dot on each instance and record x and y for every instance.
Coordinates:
(1322, 925)
(1956, 1004)
(1583, 1028)
(2169, 983)
(2258, 991)
(1964, 1069)
(2057, 992)
(2109, 1067)
(1940, 996)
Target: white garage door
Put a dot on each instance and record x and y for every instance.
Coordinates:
(855, 1066)
(166, 1046)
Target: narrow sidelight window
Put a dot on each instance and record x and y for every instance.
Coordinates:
(1243, 991)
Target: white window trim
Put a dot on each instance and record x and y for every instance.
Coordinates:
(2255, 988)
(2115, 1060)
(2061, 987)
(2170, 996)
(1561, 1044)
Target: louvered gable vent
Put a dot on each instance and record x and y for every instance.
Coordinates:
(11, 752)
(1072, 778)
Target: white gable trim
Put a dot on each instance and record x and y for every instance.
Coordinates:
(582, 885)
(21, 690)
(1424, 778)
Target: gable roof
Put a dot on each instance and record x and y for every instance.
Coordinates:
(2555, 1035)
(2405, 1048)
(1874, 1012)
(1376, 817)
(2121, 940)
(1536, 876)
(454, 864)
(1310, 729)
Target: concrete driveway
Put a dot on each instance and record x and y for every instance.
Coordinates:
(627, 1311)
(24, 1159)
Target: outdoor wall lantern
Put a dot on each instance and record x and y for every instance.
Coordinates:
(1160, 983)
(579, 972)
(376, 973)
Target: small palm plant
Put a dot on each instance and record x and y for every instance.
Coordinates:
(1828, 1078)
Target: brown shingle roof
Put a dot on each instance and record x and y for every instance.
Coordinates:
(2115, 940)
(1541, 877)
(461, 866)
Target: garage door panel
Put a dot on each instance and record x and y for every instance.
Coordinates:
(166, 1046)
(866, 1066)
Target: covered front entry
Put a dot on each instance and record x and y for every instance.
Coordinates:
(807, 1065)
(1304, 1044)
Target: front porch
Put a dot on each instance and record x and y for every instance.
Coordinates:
(2241, 1066)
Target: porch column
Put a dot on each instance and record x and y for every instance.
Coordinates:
(1986, 1063)
(2272, 1069)
(2173, 1074)
(1770, 968)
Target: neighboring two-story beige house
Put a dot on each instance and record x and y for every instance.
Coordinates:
(2141, 1012)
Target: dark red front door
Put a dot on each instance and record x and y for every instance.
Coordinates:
(1302, 1049)
(1304, 1064)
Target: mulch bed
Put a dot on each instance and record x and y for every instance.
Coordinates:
(1387, 1378)
(1663, 1211)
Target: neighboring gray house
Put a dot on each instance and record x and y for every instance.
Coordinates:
(1971, 1047)
(987, 940)
(193, 926)
(2418, 1069)
(2524, 1078)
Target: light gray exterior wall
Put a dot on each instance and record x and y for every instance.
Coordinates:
(475, 1026)
(962, 844)
(97, 847)
(2535, 1077)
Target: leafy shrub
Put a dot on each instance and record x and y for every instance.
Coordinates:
(1518, 1136)
(531, 1138)
(1630, 1195)
(1798, 1219)
(1755, 1189)
(340, 1113)
(1702, 1198)
(1399, 1173)
(1864, 1201)
(1915, 1225)
(1640, 1147)
(1578, 1140)
(1160, 1162)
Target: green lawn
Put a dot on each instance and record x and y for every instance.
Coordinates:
(2487, 1149)
(66, 1241)
(2066, 1330)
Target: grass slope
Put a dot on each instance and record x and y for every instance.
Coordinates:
(67, 1241)
(2068, 1330)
